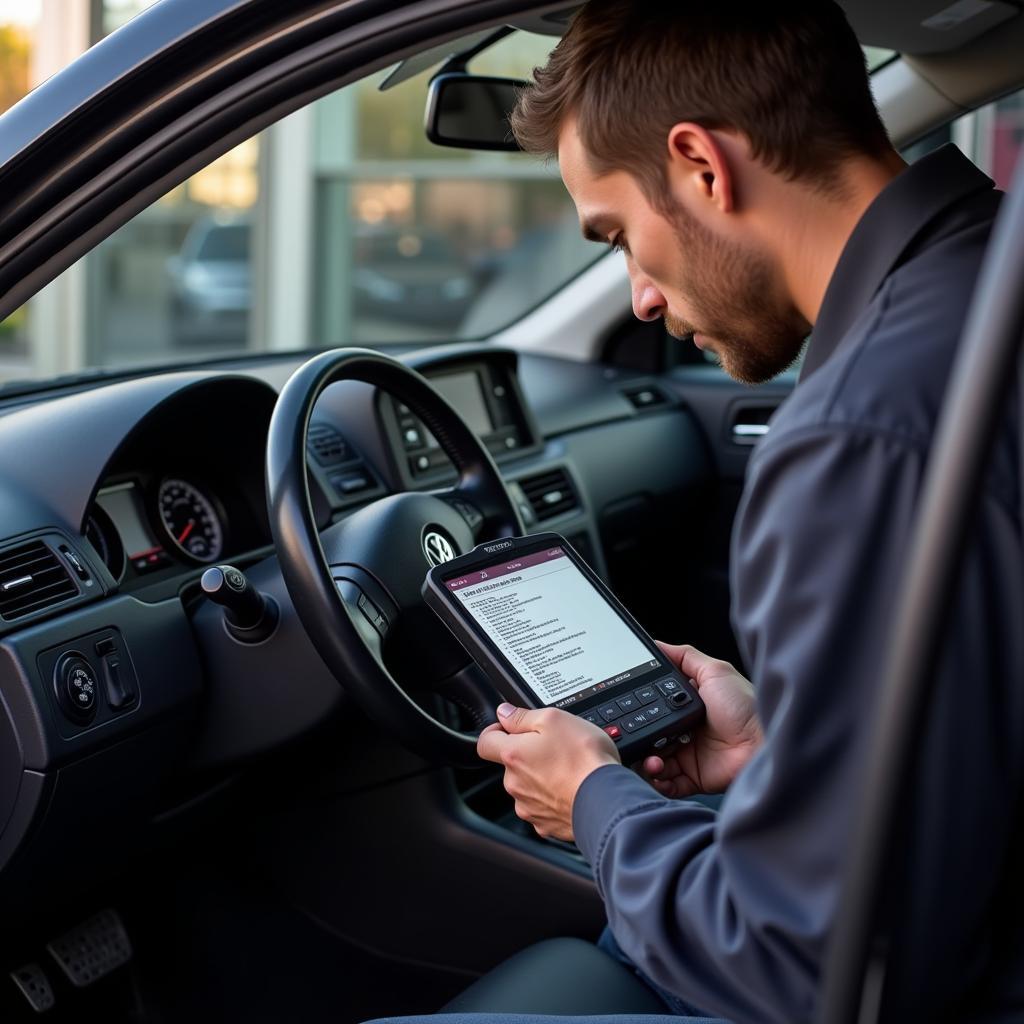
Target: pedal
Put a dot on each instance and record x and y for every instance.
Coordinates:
(34, 986)
(93, 949)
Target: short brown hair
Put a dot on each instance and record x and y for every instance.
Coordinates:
(790, 76)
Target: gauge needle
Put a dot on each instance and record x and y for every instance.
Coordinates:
(188, 529)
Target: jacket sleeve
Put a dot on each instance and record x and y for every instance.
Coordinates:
(731, 911)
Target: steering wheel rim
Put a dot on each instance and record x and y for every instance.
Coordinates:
(306, 569)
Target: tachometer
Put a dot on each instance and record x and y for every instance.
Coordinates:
(191, 521)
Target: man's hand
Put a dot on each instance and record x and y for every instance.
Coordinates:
(723, 744)
(547, 754)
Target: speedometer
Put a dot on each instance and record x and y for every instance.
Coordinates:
(191, 521)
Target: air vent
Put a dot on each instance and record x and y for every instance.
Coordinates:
(327, 445)
(550, 494)
(32, 578)
(645, 397)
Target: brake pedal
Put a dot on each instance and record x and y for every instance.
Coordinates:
(93, 949)
(34, 986)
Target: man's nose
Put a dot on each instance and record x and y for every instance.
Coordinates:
(648, 302)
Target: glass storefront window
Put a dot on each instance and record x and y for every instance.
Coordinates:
(341, 225)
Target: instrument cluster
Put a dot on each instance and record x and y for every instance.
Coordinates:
(141, 527)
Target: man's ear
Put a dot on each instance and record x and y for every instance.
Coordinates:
(699, 166)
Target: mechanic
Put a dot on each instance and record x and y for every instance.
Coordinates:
(735, 155)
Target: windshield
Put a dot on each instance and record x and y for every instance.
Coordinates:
(341, 225)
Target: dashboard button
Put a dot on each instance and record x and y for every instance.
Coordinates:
(669, 686)
(655, 710)
(629, 703)
(350, 484)
(647, 695)
(610, 712)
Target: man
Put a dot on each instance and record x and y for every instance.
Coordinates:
(734, 154)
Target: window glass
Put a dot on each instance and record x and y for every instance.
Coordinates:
(992, 136)
(876, 56)
(114, 13)
(341, 225)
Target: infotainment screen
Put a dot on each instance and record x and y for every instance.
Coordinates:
(464, 392)
(556, 629)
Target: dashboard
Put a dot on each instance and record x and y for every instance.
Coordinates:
(117, 677)
(183, 495)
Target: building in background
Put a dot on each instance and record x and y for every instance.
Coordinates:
(340, 225)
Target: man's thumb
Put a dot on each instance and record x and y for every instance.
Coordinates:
(514, 719)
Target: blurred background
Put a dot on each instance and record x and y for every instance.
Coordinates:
(340, 225)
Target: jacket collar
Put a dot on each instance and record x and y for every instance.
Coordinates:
(891, 230)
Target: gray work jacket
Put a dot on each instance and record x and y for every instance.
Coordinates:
(732, 910)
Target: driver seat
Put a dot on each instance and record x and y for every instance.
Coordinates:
(564, 977)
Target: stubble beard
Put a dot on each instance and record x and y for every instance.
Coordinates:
(735, 303)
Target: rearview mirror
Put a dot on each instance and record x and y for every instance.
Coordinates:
(472, 111)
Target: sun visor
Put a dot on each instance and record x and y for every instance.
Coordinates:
(925, 26)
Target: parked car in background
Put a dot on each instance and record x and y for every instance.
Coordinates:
(211, 282)
(410, 273)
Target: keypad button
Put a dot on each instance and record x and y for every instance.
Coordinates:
(610, 712)
(634, 722)
(614, 731)
(656, 710)
(669, 686)
(593, 717)
(646, 695)
(629, 703)
(680, 699)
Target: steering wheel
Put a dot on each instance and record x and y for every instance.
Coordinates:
(356, 585)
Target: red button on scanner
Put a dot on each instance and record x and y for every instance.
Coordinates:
(614, 731)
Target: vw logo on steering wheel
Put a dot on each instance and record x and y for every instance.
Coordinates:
(437, 548)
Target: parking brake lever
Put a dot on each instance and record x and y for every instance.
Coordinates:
(249, 616)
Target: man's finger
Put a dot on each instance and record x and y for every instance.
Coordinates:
(515, 720)
(662, 767)
(692, 663)
(686, 658)
(492, 744)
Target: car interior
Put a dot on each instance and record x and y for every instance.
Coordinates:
(254, 795)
